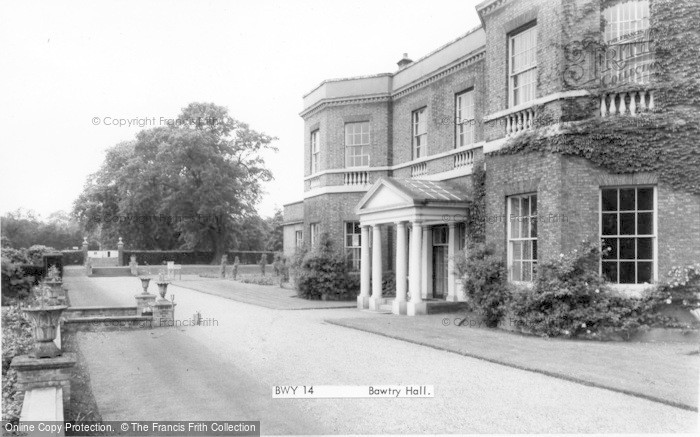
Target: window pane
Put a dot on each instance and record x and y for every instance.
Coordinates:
(627, 250)
(517, 250)
(645, 223)
(524, 226)
(527, 250)
(533, 205)
(533, 227)
(627, 275)
(645, 248)
(610, 271)
(516, 273)
(525, 207)
(610, 243)
(610, 224)
(644, 272)
(526, 271)
(627, 199)
(609, 200)
(627, 224)
(534, 249)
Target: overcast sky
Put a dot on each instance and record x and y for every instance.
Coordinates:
(63, 64)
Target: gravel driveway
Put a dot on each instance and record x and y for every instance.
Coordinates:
(226, 371)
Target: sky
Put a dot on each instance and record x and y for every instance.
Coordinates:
(71, 71)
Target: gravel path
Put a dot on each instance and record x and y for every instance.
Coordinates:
(226, 371)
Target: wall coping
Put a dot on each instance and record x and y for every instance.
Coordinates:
(43, 405)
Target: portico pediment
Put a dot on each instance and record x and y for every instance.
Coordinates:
(392, 199)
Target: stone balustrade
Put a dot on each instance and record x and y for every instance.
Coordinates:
(626, 103)
(356, 178)
(463, 159)
(519, 121)
(419, 169)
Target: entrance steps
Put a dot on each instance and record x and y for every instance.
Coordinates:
(433, 306)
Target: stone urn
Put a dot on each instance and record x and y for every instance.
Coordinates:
(144, 283)
(45, 320)
(162, 290)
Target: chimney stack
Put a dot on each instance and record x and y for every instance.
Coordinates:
(404, 62)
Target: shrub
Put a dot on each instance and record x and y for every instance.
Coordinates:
(16, 340)
(15, 256)
(569, 298)
(258, 279)
(389, 284)
(323, 273)
(485, 283)
(683, 286)
(16, 284)
(36, 253)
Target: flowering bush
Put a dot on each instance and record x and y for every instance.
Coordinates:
(683, 286)
(570, 299)
(485, 283)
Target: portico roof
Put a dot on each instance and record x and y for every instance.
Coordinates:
(398, 199)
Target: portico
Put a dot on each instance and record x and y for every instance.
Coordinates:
(425, 215)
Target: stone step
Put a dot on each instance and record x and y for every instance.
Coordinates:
(111, 271)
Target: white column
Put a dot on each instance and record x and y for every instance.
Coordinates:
(399, 306)
(376, 300)
(416, 305)
(363, 298)
(427, 264)
(451, 251)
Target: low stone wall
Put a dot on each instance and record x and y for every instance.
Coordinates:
(95, 311)
(102, 323)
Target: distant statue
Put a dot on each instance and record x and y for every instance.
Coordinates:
(224, 261)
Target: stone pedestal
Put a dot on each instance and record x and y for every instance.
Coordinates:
(362, 302)
(45, 372)
(144, 301)
(163, 313)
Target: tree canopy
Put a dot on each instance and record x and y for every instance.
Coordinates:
(188, 185)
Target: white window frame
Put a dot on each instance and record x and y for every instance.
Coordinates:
(419, 133)
(635, 236)
(314, 229)
(522, 78)
(629, 56)
(464, 117)
(298, 238)
(353, 250)
(516, 220)
(357, 144)
(315, 150)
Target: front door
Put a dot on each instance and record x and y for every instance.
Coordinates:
(440, 234)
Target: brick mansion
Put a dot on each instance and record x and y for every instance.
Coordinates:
(396, 164)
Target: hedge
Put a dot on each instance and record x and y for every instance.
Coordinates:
(159, 257)
(73, 257)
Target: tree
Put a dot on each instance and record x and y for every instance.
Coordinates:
(275, 239)
(187, 185)
(23, 228)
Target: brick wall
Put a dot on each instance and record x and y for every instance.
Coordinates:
(568, 188)
(439, 100)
